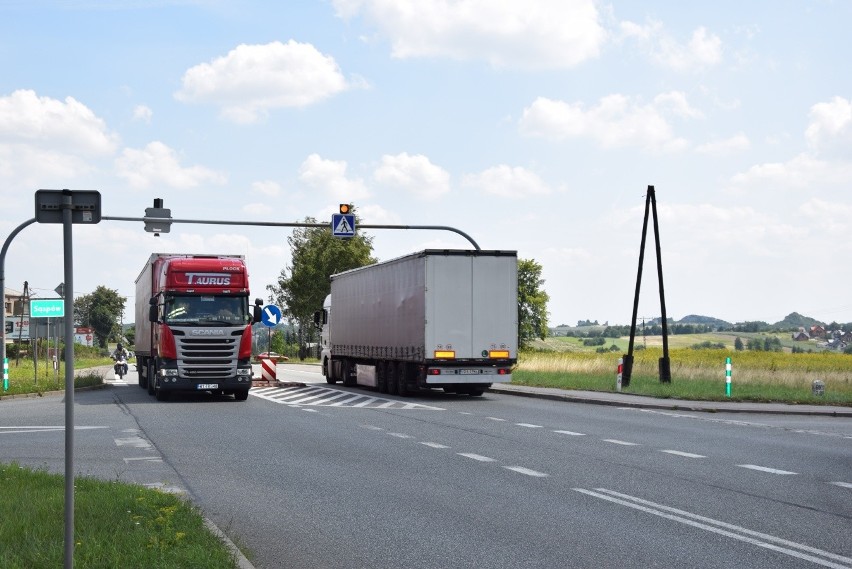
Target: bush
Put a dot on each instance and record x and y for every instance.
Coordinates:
(594, 342)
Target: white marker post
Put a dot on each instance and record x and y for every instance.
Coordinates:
(728, 377)
(619, 373)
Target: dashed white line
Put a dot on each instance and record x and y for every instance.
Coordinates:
(527, 471)
(685, 454)
(434, 445)
(572, 433)
(371, 427)
(401, 435)
(528, 425)
(618, 442)
(842, 484)
(765, 469)
(143, 459)
(478, 457)
(495, 418)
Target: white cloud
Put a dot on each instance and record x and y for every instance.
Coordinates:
(530, 34)
(830, 128)
(702, 50)
(142, 113)
(802, 172)
(616, 121)
(413, 174)
(507, 182)
(737, 143)
(159, 164)
(59, 126)
(330, 176)
(267, 188)
(251, 80)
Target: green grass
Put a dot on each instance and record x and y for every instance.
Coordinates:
(116, 525)
(25, 378)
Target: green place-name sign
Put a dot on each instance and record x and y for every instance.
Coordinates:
(47, 308)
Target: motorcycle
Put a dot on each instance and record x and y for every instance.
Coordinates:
(120, 367)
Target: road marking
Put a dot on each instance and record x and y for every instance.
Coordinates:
(434, 445)
(766, 541)
(526, 471)
(686, 454)
(572, 433)
(618, 442)
(478, 457)
(319, 396)
(366, 402)
(310, 410)
(143, 459)
(765, 469)
(371, 427)
(137, 442)
(401, 435)
(528, 425)
(495, 418)
(842, 484)
(41, 429)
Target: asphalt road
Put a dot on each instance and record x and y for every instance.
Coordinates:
(326, 476)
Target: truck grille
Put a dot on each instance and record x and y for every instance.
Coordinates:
(208, 358)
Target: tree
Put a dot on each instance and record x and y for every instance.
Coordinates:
(532, 302)
(315, 255)
(102, 311)
(738, 344)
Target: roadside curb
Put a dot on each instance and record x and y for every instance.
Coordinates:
(242, 560)
(643, 402)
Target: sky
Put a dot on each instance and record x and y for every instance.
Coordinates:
(531, 125)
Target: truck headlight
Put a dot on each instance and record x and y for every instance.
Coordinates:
(244, 371)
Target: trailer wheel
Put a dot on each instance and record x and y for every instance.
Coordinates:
(152, 376)
(328, 372)
(390, 378)
(402, 380)
(347, 374)
(382, 377)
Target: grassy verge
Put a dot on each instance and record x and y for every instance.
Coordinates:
(116, 525)
(25, 378)
(698, 375)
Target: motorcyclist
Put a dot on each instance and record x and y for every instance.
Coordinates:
(121, 355)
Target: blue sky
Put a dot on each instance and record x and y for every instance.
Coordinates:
(532, 125)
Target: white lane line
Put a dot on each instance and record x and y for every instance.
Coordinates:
(41, 429)
(495, 418)
(310, 410)
(572, 433)
(434, 445)
(685, 454)
(528, 425)
(464, 413)
(137, 442)
(618, 442)
(401, 435)
(842, 484)
(721, 528)
(478, 457)
(765, 469)
(526, 471)
(372, 427)
(143, 459)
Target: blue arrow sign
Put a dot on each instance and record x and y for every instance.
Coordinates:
(270, 315)
(343, 225)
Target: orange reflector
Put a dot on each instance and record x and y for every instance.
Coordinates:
(498, 354)
(444, 354)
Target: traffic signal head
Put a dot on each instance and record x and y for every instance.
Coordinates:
(345, 208)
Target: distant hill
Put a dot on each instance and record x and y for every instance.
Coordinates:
(794, 321)
(705, 320)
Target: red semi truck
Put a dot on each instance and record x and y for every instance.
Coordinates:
(193, 325)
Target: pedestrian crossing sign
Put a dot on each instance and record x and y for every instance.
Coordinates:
(343, 225)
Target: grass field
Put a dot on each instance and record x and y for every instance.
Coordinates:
(696, 374)
(25, 378)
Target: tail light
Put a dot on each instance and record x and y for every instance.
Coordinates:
(245, 344)
(167, 347)
(502, 371)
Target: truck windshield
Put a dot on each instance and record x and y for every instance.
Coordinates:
(208, 309)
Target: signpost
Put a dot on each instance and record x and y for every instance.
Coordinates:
(47, 308)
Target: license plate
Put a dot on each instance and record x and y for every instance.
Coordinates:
(469, 371)
(201, 386)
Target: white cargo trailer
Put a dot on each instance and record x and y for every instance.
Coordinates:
(437, 318)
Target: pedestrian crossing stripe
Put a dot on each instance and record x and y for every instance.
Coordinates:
(326, 397)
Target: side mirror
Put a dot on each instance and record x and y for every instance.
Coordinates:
(318, 319)
(256, 316)
(152, 313)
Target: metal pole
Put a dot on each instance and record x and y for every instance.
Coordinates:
(3, 282)
(665, 362)
(67, 205)
(628, 359)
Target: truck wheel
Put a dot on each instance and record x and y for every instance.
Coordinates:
(142, 365)
(152, 376)
(475, 392)
(241, 395)
(347, 374)
(390, 375)
(328, 372)
(159, 393)
(402, 380)
(382, 377)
